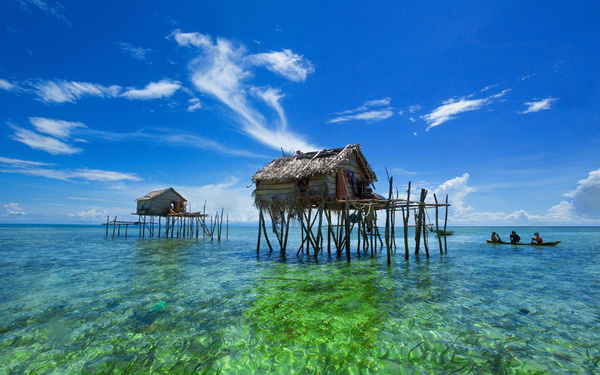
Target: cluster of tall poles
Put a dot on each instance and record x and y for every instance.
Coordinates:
(176, 225)
(334, 223)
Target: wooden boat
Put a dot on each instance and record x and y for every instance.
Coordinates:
(525, 243)
(441, 232)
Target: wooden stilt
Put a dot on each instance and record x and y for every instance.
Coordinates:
(445, 223)
(437, 224)
(347, 227)
(387, 224)
(260, 218)
(264, 227)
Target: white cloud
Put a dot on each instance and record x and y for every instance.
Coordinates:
(78, 174)
(369, 116)
(582, 209)
(153, 90)
(585, 199)
(40, 142)
(100, 175)
(168, 137)
(234, 197)
(137, 53)
(91, 215)
(13, 209)
(414, 108)
(56, 128)
(457, 190)
(5, 85)
(53, 9)
(194, 104)
(369, 111)
(62, 91)
(220, 71)
(452, 107)
(21, 163)
(285, 63)
(272, 97)
(401, 171)
(539, 105)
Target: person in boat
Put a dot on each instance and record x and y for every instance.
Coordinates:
(496, 237)
(514, 237)
(536, 238)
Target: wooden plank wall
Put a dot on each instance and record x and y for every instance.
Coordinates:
(159, 205)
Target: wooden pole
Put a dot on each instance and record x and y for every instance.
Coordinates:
(287, 231)
(406, 222)
(437, 224)
(227, 229)
(347, 211)
(114, 226)
(446, 222)
(387, 224)
(265, 232)
(107, 220)
(260, 218)
(358, 231)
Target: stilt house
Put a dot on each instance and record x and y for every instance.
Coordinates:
(161, 203)
(309, 178)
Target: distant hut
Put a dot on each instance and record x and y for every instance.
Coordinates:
(294, 183)
(161, 203)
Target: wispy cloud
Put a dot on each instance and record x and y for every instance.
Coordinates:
(22, 163)
(5, 85)
(285, 63)
(370, 111)
(137, 53)
(170, 138)
(41, 142)
(221, 71)
(56, 128)
(539, 105)
(53, 9)
(153, 90)
(78, 174)
(452, 107)
(13, 209)
(61, 91)
(272, 97)
(194, 105)
(35, 168)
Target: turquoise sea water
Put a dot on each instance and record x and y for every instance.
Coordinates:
(73, 301)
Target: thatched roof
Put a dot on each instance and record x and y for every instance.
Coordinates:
(153, 194)
(308, 164)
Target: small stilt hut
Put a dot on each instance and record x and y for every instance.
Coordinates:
(334, 186)
(171, 206)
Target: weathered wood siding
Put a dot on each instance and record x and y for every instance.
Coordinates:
(160, 204)
(351, 165)
(268, 190)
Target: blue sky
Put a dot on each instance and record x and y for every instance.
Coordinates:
(495, 103)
